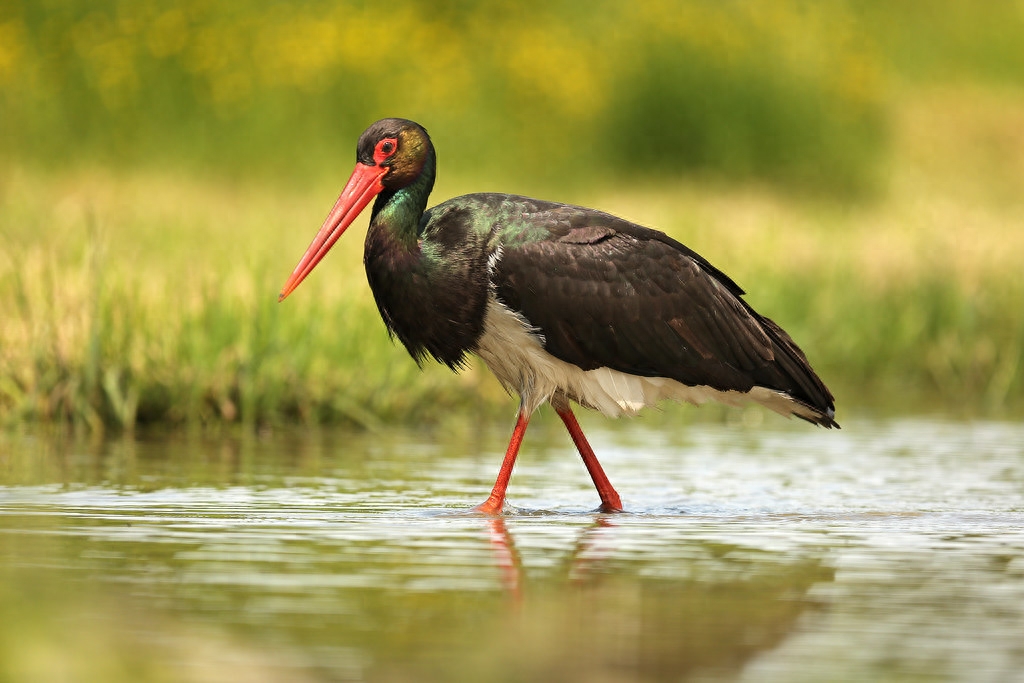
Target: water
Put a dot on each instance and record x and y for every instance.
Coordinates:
(887, 551)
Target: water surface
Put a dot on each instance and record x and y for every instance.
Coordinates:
(891, 550)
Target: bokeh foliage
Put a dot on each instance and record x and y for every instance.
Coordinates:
(780, 91)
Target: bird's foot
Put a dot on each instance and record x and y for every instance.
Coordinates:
(492, 506)
(610, 501)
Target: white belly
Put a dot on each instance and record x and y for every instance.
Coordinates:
(515, 354)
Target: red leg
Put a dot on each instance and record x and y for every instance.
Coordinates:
(496, 501)
(610, 501)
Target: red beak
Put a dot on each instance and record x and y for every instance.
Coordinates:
(361, 188)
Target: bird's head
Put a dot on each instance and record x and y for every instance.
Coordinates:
(390, 155)
(397, 148)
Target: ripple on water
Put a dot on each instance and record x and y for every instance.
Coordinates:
(889, 549)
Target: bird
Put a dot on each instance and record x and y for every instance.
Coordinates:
(564, 304)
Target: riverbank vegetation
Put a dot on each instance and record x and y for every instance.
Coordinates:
(866, 188)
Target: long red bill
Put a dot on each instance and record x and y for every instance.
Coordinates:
(361, 188)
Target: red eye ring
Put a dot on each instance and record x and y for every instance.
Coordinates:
(384, 149)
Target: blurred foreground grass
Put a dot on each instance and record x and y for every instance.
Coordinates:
(151, 297)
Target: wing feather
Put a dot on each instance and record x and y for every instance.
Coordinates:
(604, 292)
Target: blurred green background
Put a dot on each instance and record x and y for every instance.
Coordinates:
(857, 167)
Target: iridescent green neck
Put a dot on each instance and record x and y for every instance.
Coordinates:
(400, 210)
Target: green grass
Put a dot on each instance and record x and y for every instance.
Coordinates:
(151, 298)
(162, 166)
(154, 300)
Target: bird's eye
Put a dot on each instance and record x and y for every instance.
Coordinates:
(384, 149)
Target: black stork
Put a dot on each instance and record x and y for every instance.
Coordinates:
(561, 302)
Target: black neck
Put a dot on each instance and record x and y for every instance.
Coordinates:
(400, 210)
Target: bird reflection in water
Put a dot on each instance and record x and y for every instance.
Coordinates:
(586, 555)
(701, 606)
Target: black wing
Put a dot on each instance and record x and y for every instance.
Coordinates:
(605, 292)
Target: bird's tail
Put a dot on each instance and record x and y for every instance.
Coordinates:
(806, 388)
